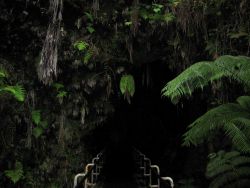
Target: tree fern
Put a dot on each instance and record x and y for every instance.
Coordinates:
(227, 168)
(233, 118)
(201, 74)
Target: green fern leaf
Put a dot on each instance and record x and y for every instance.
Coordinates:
(90, 29)
(17, 91)
(61, 94)
(87, 56)
(227, 168)
(238, 137)
(244, 101)
(58, 86)
(16, 174)
(36, 116)
(89, 16)
(201, 74)
(81, 45)
(233, 118)
(37, 132)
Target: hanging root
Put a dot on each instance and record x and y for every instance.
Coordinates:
(134, 17)
(47, 68)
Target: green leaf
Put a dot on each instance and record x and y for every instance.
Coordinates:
(127, 85)
(225, 168)
(232, 118)
(16, 174)
(244, 101)
(89, 16)
(61, 94)
(87, 56)
(81, 45)
(201, 74)
(36, 116)
(37, 132)
(58, 86)
(90, 29)
(168, 17)
(157, 8)
(17, 91)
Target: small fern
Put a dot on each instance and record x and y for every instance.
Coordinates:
(16, 174)
(227, 168)
(36, 116)
(40, 126)
(17, 91)
(201, 74)
(81, 45)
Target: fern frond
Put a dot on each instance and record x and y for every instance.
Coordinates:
(219, 163)
(233, 176)
(36, 116)
(226, 161)
(197, 76)
(228, 167)
(241, 160)
(16, 174)
(214, 119)
(201, 74)
(244, 101)
(17, 91)
(243, 124)
(238, 137)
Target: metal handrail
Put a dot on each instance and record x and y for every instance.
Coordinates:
(88, 171)
(148, 171)
(144, 162)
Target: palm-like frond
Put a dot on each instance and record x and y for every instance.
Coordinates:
(233, 118)
(227, 168)
(244, 101)
(17, 91)
(201, 74)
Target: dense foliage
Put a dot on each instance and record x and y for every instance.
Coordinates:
(46, 127)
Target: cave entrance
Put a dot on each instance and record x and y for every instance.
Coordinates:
(149, 123)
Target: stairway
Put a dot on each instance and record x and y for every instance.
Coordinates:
(115, 173)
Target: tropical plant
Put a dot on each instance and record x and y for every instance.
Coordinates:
(228, 169)
(92, 47)
(40, 126)
(225, 169)
(127, 86)
(16, 91)
(232, 118)
(203, 73)
(15, 174)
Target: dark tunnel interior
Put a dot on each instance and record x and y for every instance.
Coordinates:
(152, 124)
